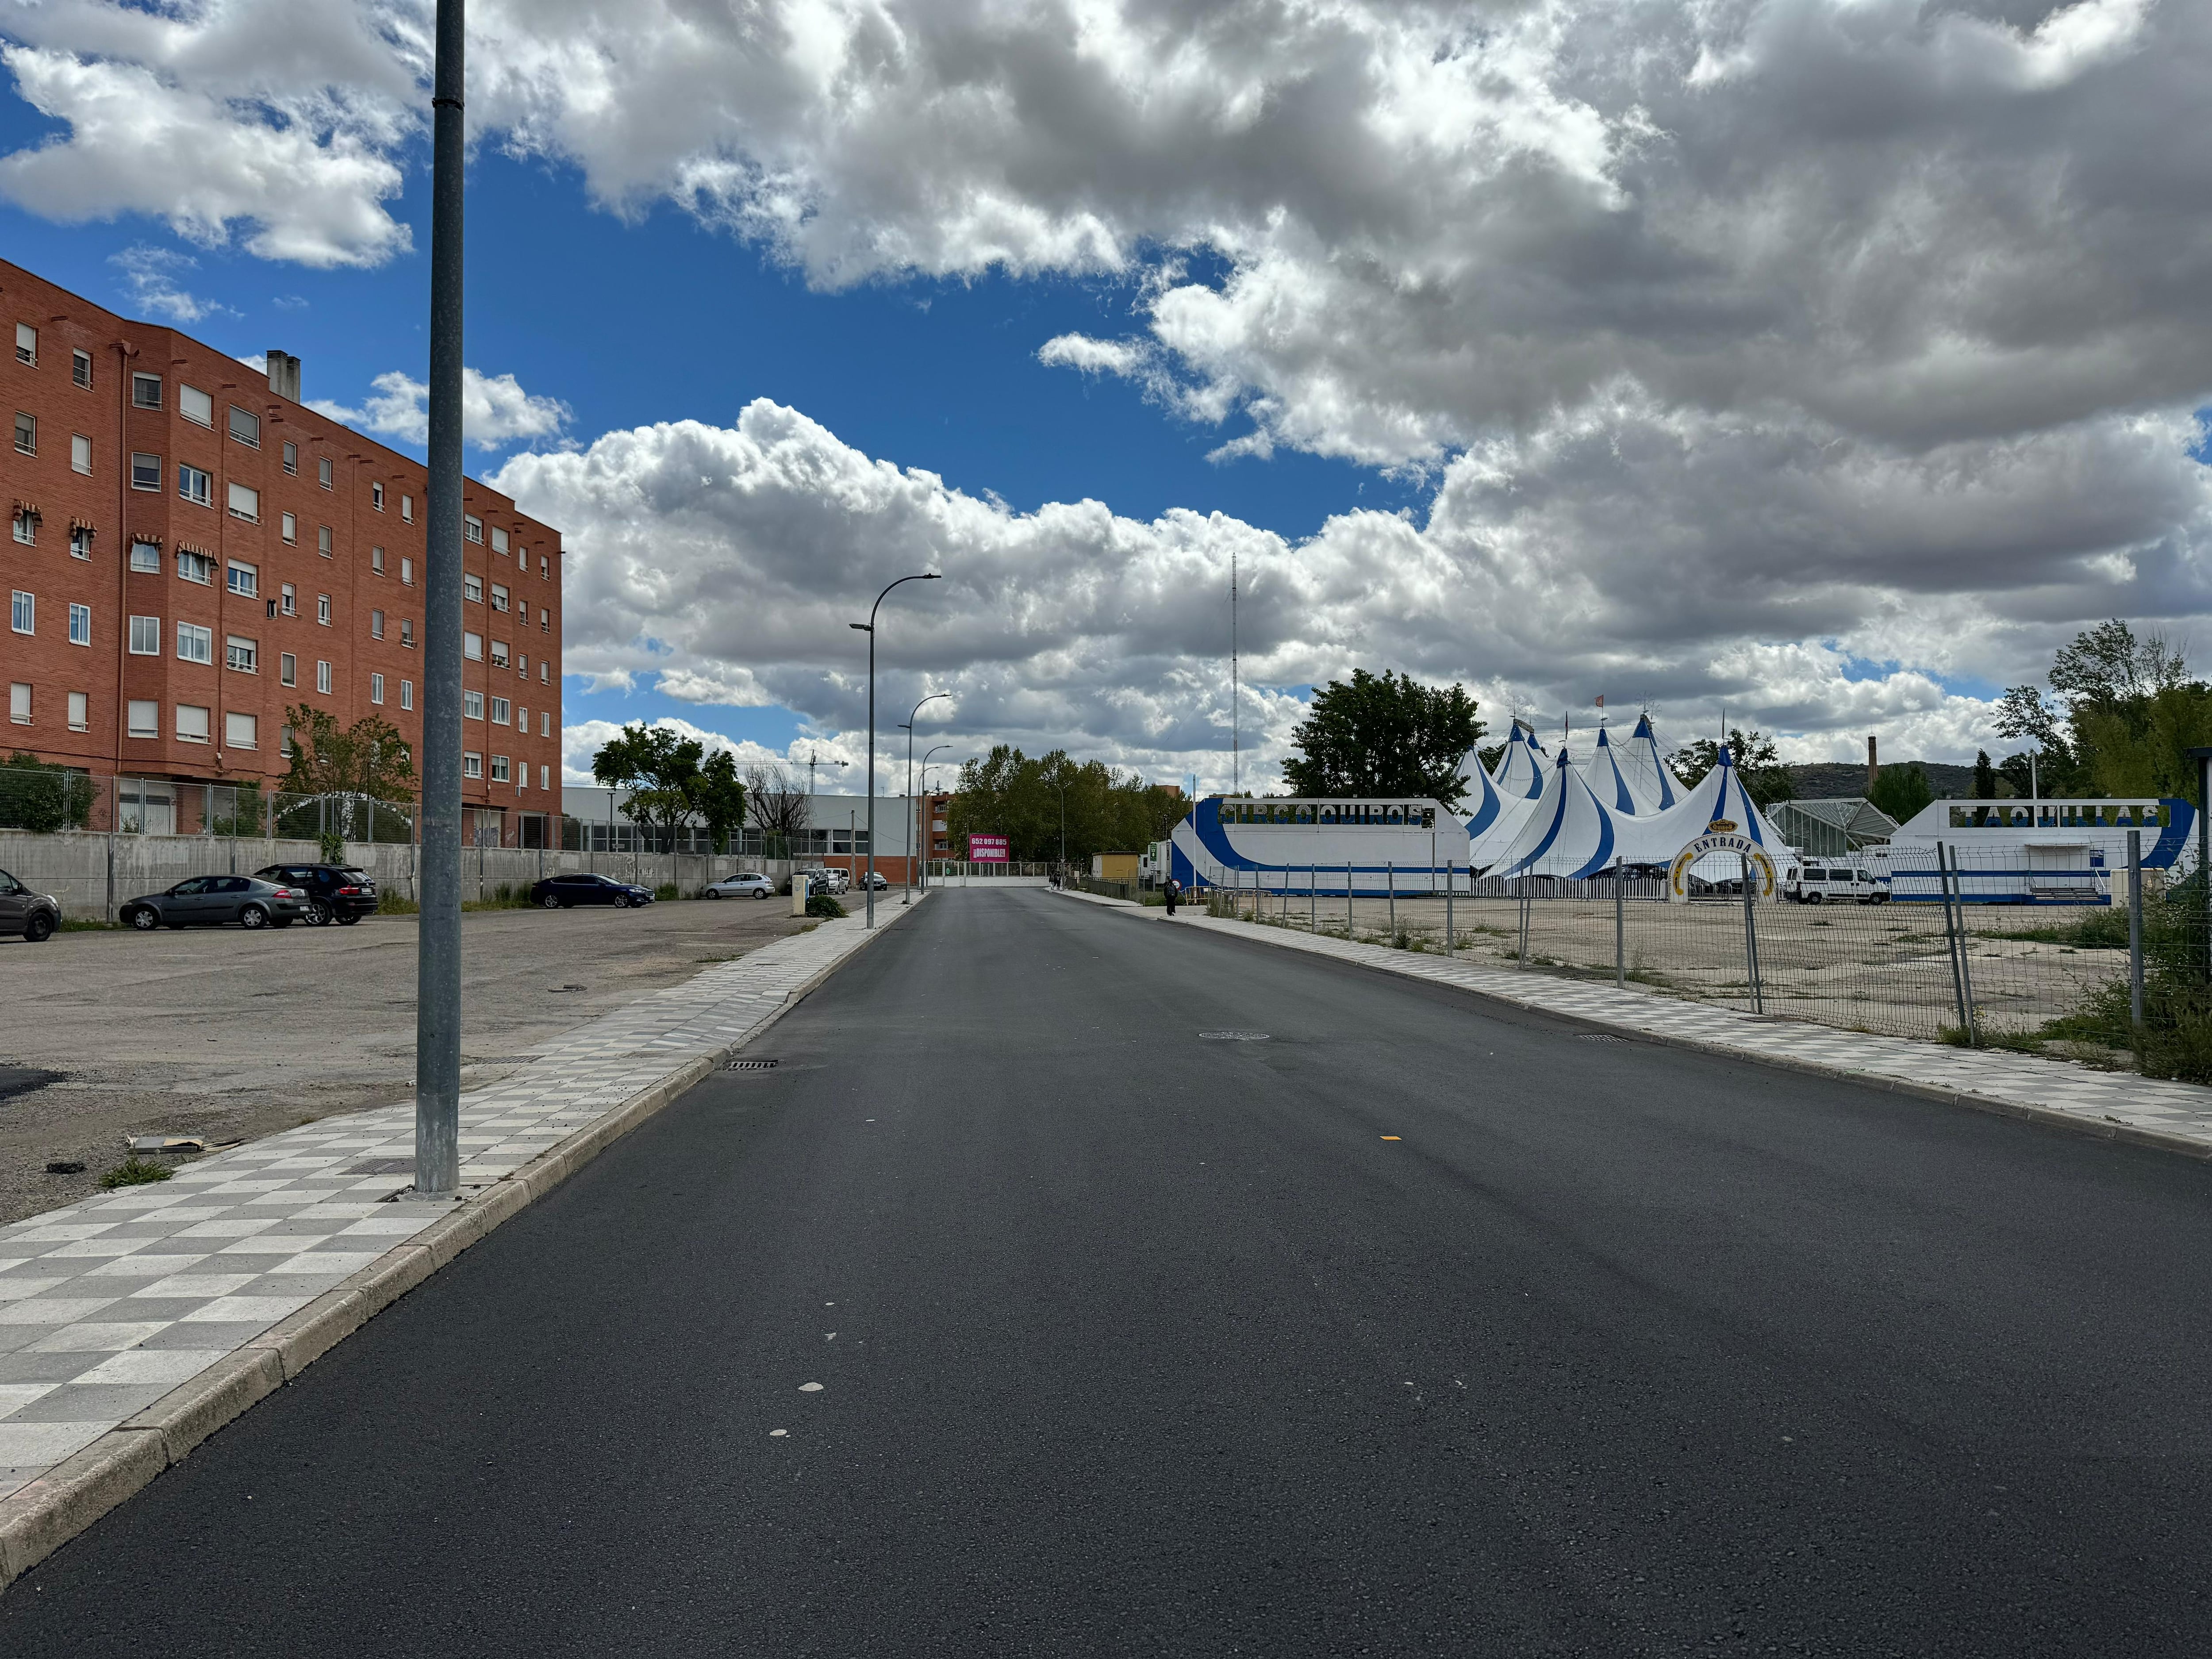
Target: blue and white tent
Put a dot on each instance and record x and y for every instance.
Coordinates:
(1718, 799)
(1643, 767)
(1608, 782)
(1520, 768)
(1565, 831)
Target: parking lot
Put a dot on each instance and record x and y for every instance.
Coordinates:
(230, 1035)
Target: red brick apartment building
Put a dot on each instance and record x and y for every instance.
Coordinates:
(191, 551)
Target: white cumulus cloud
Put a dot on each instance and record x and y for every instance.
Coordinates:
(495, 410)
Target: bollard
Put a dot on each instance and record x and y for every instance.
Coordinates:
(799, 886)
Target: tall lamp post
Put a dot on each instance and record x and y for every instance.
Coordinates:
(869, 628)
(920, 818)
(912, 805)
(438, 937)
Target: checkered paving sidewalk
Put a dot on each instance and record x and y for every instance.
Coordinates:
(108, 1304)
(2100, 1100)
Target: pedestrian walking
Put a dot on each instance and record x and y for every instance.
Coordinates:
(1174, 891)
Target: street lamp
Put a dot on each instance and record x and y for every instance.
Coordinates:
(869, 628)
(920, 818)
(907, 726)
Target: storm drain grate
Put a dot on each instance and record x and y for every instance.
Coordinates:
(384, 1166)
(1598, 1036)
(1232, 1037)
(750, 1065)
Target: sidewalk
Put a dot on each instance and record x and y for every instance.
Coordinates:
(2113, 1105)
(134, 1324)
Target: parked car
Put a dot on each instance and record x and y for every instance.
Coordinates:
(559, 892)
(817, 880)
(1831, 883)
(34, 915)
(211, 901)
(841, 879)
(746, 883)
(336, 892)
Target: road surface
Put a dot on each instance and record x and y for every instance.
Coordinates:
(1421, 1326)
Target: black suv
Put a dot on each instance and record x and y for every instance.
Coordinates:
(336, 892)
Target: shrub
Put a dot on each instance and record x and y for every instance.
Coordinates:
(42, 798)
(824, 905)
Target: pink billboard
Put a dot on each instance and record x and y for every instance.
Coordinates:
(987, 849)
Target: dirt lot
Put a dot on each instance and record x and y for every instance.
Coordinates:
(232, 1035)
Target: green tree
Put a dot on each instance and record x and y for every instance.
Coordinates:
(659, 769)
(2123, 714)
(1903, 790)
(1761, 771)
(42, 798)
(1007, 792)
(1985, 776)
(368, 759)
(719, 798)
(1384, 735)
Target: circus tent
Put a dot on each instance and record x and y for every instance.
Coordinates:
(1608, 782)
(1565, 831)
(1643, 767)
(1570, 831)
(1521, 768)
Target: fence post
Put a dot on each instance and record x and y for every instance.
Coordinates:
(1966, 965)
(1619, 926)
(1951, 940)
(1451, 885)
(1391, 876)
(1521, 892)
(1348, 928)
(110, 914)
(1751, 941)
(2135, 933)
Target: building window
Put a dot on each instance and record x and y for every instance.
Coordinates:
(192, 723)
(23, 612)
(195, 486)
(292, 459)
(544, 723)
(501, 711)
(376, 624)
(498, 597)
(146, 391)
(472, 646)
(27, 344)
(376, 688)
(322, 678)
(146, 557)
(472, 527)
(80, 625)
(245, 579)
(288, 601)
(522, 775)
(406, 694)
(499, 653)
(144, 718)
(542, 680)
(195, 567)
(323, 540)
(323, 609)
(19, 703)
(522, 667)
(145, 471)
(145, 636)
(196, 407)
(80, 541)
(245, 503)
(288, 668)
(325, 472)
(284, 741)
(376, 496)
(498, 768)
(246, 426)
(81, 368)
(195, 643)
(407, 632)
(522, 721)
(472, 589)
(407, 509)
(471, 764)
(545, 621)
(25, 527)
(27, 433)
(498, 540)
(240, 655)
(290, 526)
(406, 573)
(376, 561)
(543, 773)
(472, 705)
(544, 569)
(241, 730)
(80, 712)
(81, 453)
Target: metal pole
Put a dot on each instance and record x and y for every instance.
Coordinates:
(1348, 928)
(438, 936)
(869, 628)
(1751, 941)
(1951, 937)
(2135, 930)
(1965, 966)
(1451, 885)
(1313, 898)
(1619, 926)
(1520, 886)
(1390, 868)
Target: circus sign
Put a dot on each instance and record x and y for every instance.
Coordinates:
(1723, 842)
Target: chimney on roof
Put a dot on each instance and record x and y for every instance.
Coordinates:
(285, 375)
(1871, 767)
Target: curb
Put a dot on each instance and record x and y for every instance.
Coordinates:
(39, 1518)
(2049, 1117)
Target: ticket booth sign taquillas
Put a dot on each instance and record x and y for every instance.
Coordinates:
(1722, 837)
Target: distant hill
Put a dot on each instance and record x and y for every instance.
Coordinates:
(1829, 780)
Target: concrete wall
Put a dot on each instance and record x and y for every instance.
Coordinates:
(91, 874)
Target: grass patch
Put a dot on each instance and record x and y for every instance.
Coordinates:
(135, 1171)
(86, 925)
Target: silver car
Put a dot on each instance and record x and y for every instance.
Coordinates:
(34, 915)
(211, 901)
(746, 883)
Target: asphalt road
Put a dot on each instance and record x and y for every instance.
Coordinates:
(1134, 1342)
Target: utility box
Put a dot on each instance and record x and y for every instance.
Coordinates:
(800, 888)
(1116, 867)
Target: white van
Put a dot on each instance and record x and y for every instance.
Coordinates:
(1828, 881)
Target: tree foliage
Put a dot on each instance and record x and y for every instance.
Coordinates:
(1764, 777)
(778, 804)
(719, 798)
(1902, 790)
(1384, 734)
(42, 798)
(368, 757)
(2122, 714)
(1009, 793)
(670, 779)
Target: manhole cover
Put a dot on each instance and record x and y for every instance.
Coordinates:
(750, 1065)
(1232, 1037)
(384, 1166)
(558, 989)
